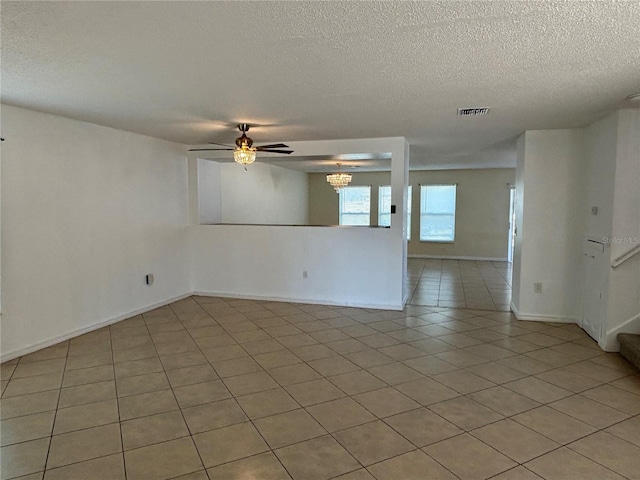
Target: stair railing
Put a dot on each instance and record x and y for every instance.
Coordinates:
(625, 256)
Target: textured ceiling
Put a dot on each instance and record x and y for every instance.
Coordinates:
(189, 71)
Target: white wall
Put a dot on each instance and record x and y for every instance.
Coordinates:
(551, 197)
(601, 138)
(346, 265)
(560, 176)
(87, 211)
(264, 194)
(623, 306)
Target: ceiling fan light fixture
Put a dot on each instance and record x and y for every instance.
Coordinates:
(338, 180)
(244, 155)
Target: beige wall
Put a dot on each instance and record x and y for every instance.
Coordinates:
(323, 199)
(482, 208)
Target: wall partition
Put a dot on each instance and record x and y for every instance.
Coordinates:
(351, 266)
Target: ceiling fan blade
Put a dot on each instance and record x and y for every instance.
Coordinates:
(274, 145)
(275, 151)
(209, 149)
(221, 144)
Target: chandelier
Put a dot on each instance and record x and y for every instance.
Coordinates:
(244, 154)
(338, 180)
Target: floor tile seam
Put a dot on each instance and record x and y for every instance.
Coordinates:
(199, 349)
(52, 435)
(13, 377)
(155, 390)
(248, 456)
(418, 449)
(345, 448)
(606, 405)
(528, 409)
(457, 391)
(175, 398)
(115, 386)
(628, 416)
(562, 444)
(116, 362)
(536, 375)
(611, 383)
(469, 432)
(30, 393)
(21, 442)
(557, 447)
(509, 470)
(90, 366)
(322, 376)
(154, 442)
(568, 445)
(249, 420)
(55, 415)
(81, 461)
(34, 413)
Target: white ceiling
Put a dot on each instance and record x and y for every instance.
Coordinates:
(189, 71)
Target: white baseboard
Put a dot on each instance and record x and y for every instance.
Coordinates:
(300, 300)
(610, 341)
(74, 333)
(532, 317)
(455, 257)
(10, 355)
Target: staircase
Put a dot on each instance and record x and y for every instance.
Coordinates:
(630, 348)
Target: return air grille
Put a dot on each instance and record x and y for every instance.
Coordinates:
(472, 112)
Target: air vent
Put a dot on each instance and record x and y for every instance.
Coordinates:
(472, 112)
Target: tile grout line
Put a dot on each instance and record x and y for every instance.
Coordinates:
(55, 415)
(176, 399)
(337, 354)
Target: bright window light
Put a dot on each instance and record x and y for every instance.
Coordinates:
(384, 208)
(355, 205)
(437, 213)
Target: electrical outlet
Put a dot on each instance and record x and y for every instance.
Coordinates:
(537, 287)
(305, 274)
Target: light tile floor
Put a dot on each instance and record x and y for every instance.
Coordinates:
(479, 285)
(212, 388)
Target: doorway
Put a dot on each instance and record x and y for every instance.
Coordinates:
(594, 265)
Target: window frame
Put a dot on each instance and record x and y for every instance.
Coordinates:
(341, 203)
(380, 213)
(423, 213)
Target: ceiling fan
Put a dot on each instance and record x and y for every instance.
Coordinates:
(244, 152)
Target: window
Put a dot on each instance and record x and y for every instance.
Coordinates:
(437, 213)
(384, 208)
(355, 205)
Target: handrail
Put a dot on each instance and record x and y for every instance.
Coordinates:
(625, 256)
